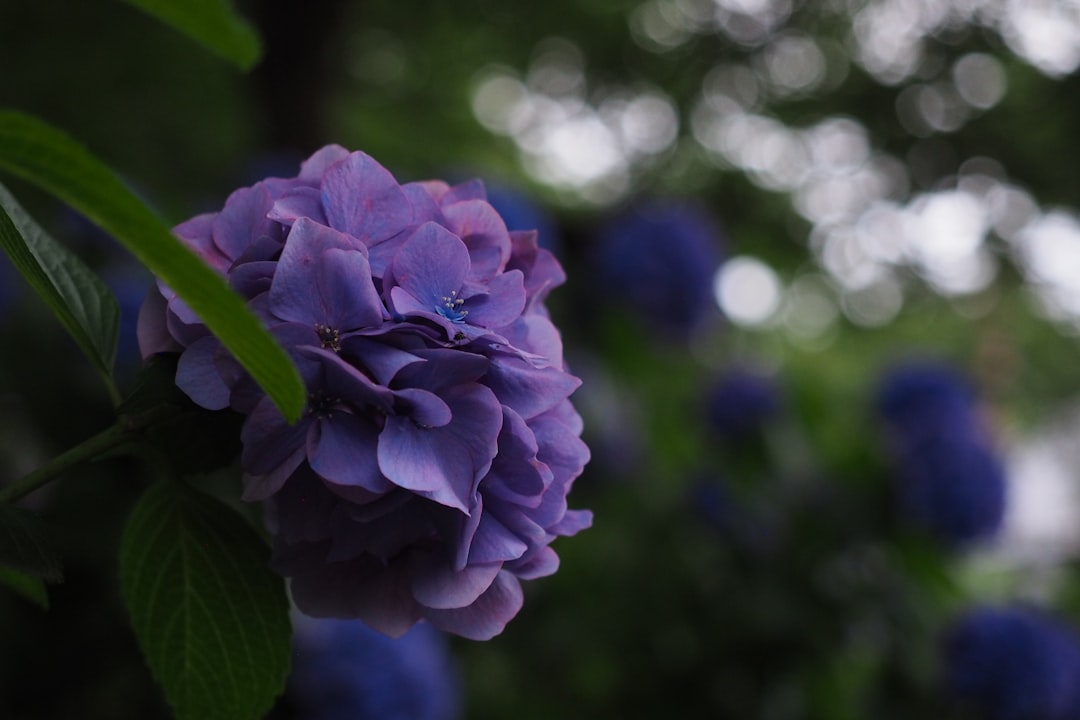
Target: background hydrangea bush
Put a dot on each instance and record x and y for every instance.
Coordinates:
(832, 446)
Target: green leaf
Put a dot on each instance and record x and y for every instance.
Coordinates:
(52, 160)
(212, 23)
(80, 300)
(31, 588)
(25, 544)
(210, 616)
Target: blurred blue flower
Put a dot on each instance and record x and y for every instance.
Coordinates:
(951, 480)
(1014, 664)
(741, 403)
(954, 489)
(344, 670)
(925, 398)
(657, 259)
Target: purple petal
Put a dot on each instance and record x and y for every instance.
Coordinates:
(342, 450)
(198, 377)
(538, 336)
(313, 169)
(485, 618)
(445, 463)
(300, 202)
(261, 487)
(543, 563)
(424, 207)
(483, 231)
(431, 265)
(151, 330)
(252, 278)
(383, 362)
(573, 522)
(243, 220)
(268, 440)
(501, 305)
(527, 389)
(517, 475)
(437, 585)
(378, 595)
(347, 382)
(468, 190)
(426, 409)
(493, 542)
(362, 198)
(293, 294)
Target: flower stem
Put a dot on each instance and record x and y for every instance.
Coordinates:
(85, 451)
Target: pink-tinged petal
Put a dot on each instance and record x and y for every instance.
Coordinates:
(538, 336)
(342, 450)
(424, 408)
(437, 585)
(293, 293)
(484, 233)
(542, 270)
(313, 169)
(541, 564)
(197, 230)
(197, 375)
(431, 264)
(436, 189)
(363, 199)
(243, 220)
(469, 190)
(299, 202)
(152, 332)
(488, 616)
(501, 305)
(424, 207)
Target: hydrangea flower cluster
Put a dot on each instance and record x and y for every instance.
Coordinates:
(430, 471)
(951, 480)
(658, 259)
(343, 670)
(1014, 663)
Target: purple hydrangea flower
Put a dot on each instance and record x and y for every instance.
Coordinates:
(657, 259)
(950, 479)
(1014, 664)
(429, 474)
(343, 670)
